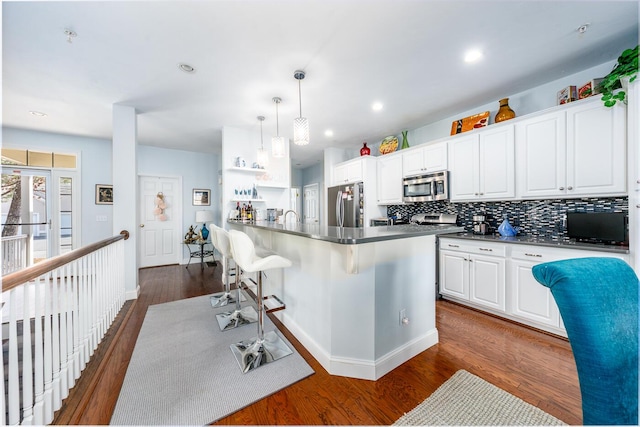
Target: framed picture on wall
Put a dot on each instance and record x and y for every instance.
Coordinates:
(104, 194)
(201, 197)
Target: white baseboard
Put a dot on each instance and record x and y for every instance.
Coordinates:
(132, 294)
(359, 368)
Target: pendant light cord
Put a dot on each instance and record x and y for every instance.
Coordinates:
(277, 125)
(300, 97)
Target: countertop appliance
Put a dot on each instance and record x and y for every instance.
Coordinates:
(346, 205)
(426, 188)
(480, 225)
(434, 219)
(598, 227)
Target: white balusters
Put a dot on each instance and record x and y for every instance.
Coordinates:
(65, 314)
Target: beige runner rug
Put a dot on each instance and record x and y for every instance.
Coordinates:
(467, 400)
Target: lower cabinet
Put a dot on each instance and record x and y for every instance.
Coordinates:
(466, 273)
(496, 277)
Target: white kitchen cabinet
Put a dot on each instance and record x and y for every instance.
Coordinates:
(576, 152)
(389, 179)
(482, 165)
(541, 156)
(349, 171)
(474, 273)
(496, 277)
(424, 159)
(596, 149)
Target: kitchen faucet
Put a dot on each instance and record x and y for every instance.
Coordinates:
(293, 212)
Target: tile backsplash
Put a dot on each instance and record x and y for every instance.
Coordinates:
(542, 218)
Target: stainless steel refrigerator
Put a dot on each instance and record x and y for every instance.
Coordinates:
(346, 205)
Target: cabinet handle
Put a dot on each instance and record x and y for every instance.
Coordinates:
(452, 246)
(561, 188)
(534, 255)
(485, 249)
(470, 260)
(569, 188)
(475, 194)
(482, 194)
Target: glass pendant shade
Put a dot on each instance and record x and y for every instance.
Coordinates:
(300, 131)
(277, 146)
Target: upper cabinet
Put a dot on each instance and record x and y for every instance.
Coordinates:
(421, 160)
(389, 178)
(576, 152)
(482, 165)
(349, 171)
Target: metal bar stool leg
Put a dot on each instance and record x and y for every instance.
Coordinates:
(226, 297)
(265, 348)
(240, 316)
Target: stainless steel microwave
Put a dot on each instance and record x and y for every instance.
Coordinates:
(426, 188)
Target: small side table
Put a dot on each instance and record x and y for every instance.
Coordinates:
(200, 252)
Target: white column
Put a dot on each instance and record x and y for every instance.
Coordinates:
(633, 135)
(125, 189)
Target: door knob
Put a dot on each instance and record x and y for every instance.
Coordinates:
(141, 225)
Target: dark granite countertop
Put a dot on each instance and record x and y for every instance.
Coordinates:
(540, 241)
(350, 235)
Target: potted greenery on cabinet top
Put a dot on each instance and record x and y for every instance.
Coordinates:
(627, 67)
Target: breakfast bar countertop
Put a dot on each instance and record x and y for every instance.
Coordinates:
(539, 241)
(351, 235)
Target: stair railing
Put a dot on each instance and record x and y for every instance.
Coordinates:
(54, 315)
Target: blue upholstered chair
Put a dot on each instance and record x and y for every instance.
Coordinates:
(598, 301)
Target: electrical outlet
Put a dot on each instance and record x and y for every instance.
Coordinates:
(403, 315)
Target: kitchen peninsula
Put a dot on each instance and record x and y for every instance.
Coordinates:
(361, 300)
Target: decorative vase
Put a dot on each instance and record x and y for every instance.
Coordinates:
(504, 112)
(204, 232)
(405, 142)
(365, 151)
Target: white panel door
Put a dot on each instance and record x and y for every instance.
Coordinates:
(311, 204)
(159, 237)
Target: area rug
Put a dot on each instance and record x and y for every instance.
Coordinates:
(182, 370)
(467, 400)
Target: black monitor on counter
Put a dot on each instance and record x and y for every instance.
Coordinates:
(598, 227)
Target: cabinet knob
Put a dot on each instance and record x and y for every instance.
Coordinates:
(141, 225)
(475, 194)
(561, 188)
(569, 188)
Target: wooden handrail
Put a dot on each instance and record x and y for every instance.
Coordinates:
(17, 278)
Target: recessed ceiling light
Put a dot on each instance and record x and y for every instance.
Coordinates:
(186, 68)
(328, 133)
(472, 55)
(376, 106)
(38, 113)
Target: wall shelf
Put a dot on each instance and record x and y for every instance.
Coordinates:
(271, 185)
(247, 200)
(250, 170)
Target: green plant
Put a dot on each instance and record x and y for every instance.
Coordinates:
(627, 66)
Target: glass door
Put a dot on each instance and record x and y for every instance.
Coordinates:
(26, 217)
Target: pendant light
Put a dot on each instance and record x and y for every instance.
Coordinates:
(263, 156)
(300, 124)
(277, 142)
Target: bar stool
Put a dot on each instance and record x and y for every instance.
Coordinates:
(221, 242)
(240, 316)
(265, 348)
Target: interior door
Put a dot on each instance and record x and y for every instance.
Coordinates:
(311, 205)
(160, 229)
(26, 217)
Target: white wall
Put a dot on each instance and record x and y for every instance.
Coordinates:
(95, 168)
(198, 170)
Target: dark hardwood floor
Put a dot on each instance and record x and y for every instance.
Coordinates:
(536, 367)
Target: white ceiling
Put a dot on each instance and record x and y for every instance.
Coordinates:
(404, 53)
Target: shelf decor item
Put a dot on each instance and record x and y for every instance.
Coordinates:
(405, 142)
(567, 94)
(504, 112)
(365, 151)
(469, 123)
(626, 68)
(389, 145)
(589, 88)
